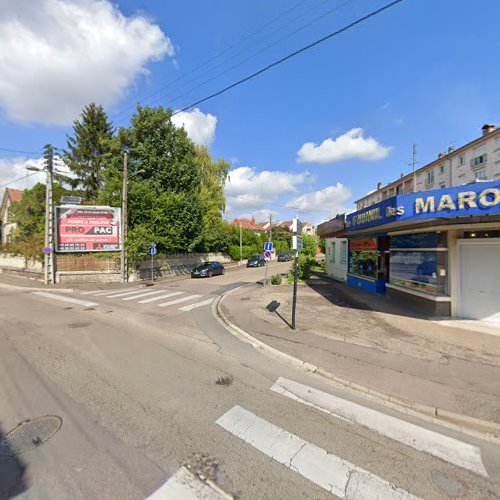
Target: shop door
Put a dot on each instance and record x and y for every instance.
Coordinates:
(480, 279)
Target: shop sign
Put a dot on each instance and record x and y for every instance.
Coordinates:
(364, 244)
(87, 229)
(463, 201)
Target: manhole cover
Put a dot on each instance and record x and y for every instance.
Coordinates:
(29, 434)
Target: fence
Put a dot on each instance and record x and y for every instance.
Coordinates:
(71, 263)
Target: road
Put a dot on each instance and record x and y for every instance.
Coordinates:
(157, 399)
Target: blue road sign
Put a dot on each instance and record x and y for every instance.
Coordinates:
(152, 250)
(267, 254)
(268, 246)
(47, 250)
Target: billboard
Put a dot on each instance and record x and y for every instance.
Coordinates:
(87, 229)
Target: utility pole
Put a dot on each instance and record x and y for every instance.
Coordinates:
(269, 240)
(241, 245)
(49, 273)
(413, 163)
(123, 260)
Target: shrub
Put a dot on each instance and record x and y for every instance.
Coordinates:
(276, 279)
(306, 265)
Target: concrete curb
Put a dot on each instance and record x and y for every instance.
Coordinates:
(35, 289)
(475, 427)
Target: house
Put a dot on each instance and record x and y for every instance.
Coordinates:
(10, 196)
(336, 247)
(308, 228)
(248, 224)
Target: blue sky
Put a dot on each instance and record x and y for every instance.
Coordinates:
(424, 72)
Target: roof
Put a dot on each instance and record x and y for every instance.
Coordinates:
(15, 195)
(247, 224)
(435, 162)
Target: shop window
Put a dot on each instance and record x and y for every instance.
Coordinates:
(364, 263)
(343, 252)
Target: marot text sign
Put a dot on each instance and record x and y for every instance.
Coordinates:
(87, 229)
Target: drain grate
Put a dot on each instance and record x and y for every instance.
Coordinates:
(29, 434)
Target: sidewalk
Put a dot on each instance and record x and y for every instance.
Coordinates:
(371, 342)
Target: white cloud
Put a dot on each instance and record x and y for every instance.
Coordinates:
(332, 199)
(199, 126)
(247, 189)
(347, 146)
(58, 55)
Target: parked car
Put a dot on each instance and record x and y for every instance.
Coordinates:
(207, 270)
(257, 261)
(284, 257)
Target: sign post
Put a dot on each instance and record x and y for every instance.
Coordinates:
(152, 252)
(268, 248)
(297, 246)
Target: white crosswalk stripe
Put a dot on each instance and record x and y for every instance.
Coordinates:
(184, 485)
(142, 294)
(190, 307)
(113, 295)
(178, 301)
(330, 472)
(449, 449)
(65, 298)
(159, 297)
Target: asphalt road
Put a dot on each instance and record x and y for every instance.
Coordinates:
(156, 396)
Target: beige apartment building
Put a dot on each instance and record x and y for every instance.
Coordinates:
(478, 160)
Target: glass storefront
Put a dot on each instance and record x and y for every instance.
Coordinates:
(419, 261)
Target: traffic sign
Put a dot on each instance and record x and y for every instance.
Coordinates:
(296, 226)
(71, 200)
(268, 246)
(47, 250)
(297, 242)
(152, 249)
(267, 255)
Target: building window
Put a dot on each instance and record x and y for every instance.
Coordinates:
(343, 252)
(497, 143)
(442, 185)
(332, 253)
(441, 169)
(478, 160)
(461, 160)
(480, 175)
(429, 180)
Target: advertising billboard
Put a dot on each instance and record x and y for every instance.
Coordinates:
(87, 229)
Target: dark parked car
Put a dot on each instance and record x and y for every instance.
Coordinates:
(284, 257)
(257, 261)
(207, 269)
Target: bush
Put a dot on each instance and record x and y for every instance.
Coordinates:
(306, 265)
(276, 279)
(247, 251)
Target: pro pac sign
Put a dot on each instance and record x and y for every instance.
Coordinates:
(87, 229)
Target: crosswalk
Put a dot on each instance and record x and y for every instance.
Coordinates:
(140, 296)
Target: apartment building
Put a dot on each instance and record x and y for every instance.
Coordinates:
(476, 161)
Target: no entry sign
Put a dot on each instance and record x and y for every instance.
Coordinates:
(87, 229)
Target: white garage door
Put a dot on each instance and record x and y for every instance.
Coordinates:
(480, 279)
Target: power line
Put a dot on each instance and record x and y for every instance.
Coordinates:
(216, 56)
(19, 179)
(291, 55)
(260, 51)
(20, 151)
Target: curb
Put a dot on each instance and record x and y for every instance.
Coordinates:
(475, 427)
(35, 289)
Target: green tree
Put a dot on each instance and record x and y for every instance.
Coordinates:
(215, 232)
(310, 247)
(87, 148)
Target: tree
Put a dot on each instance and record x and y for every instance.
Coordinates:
(164, 202)
(215, 235)
(310, 247)
(87, 149)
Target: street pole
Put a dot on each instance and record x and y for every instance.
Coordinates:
(49, 275)
(269, 240)
(241, 246)
(295, 278)
(152, 268)
(123, 260)
(413, 163)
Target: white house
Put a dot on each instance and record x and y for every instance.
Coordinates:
(10, 196)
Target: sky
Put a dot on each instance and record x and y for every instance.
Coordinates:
(307, 137)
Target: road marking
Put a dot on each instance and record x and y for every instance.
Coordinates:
(190, 307)
(142, 294)
(64, 298)
(332, 473)
(184, 485)
(120, 294)
(177, 301)
(171, 294)
(449, 449)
